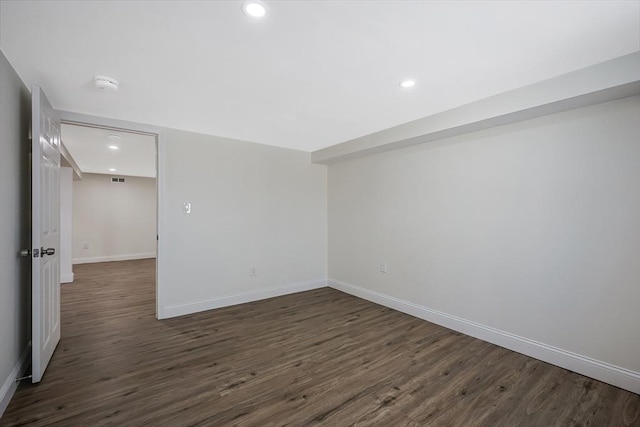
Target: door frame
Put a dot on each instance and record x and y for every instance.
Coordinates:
(70, 118)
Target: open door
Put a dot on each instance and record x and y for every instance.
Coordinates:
(45, 231)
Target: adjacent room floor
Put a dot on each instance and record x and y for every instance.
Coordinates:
(315, 358)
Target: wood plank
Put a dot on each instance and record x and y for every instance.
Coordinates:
(313, 358)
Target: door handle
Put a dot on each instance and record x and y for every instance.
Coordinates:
(25, 252)
(48, 251)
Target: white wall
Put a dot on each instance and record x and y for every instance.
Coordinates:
(253, 206)
(15, 294)
(115, 221)
(66, 217)
(532, 229)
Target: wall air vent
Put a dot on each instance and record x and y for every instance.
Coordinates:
(115, 179)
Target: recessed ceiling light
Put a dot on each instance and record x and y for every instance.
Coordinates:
(113, 137)
(255, 9)
(114, 147)
(112, 169)
(407, 84)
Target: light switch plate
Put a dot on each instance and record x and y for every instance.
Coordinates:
(186, 208)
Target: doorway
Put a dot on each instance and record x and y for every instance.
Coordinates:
(115, 192)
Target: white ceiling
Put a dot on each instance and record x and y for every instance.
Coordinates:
(311, 73)
(89, 147)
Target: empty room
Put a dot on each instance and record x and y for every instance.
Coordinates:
(371, 213)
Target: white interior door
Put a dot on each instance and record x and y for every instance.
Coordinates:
(45, 231)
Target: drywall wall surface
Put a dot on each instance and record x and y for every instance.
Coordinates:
(66, 219)
(253, 206)
(113, 221)
(531, 228)
(15, 288)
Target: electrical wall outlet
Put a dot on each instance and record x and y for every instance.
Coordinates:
(252, 271)
(383, 267)
(85, 246)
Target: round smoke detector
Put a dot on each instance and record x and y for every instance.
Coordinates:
(105, 82)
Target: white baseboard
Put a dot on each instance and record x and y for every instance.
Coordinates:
(182, 309)
(66, 278)
(109, 258)
(614, 375)
(10, 385)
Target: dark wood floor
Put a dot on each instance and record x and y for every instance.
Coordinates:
(314, 358)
